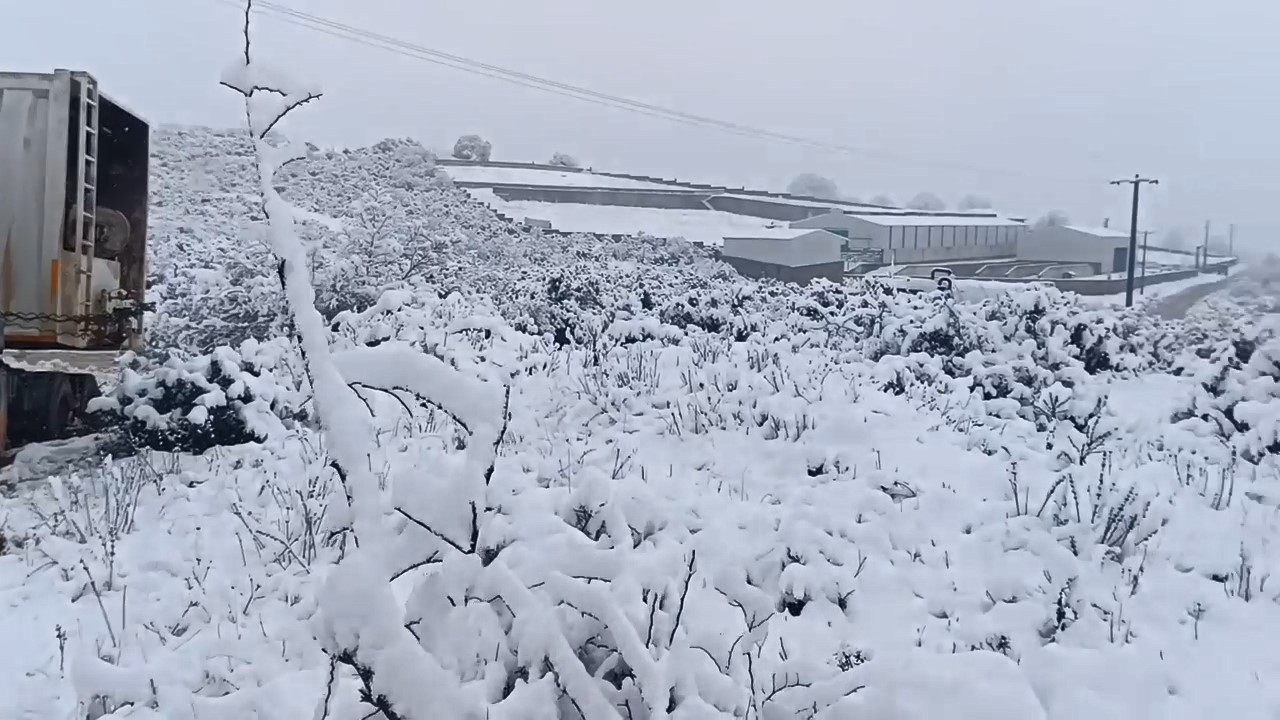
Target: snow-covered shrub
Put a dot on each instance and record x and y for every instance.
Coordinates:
(563, 160)
(813, 185)
(1229, 351)
(227, 397)
(1237, 397)
(567, 307)
(926, 201)
(472, 147)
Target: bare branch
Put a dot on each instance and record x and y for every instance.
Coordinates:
(392, 389)
(101, 606)
(502, 432)
(434, 559)
(248, 9)
(391, 392)
(287, 109)
(688, 580)
(433, 531)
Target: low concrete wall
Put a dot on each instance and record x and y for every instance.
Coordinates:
(665, 199)
(1058, 271)
(762, 209)
(1115, 286)
(447, 162)
(952, 257)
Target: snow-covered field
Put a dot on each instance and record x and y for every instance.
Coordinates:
(705, 227)
(618, 481)
(1163, 290)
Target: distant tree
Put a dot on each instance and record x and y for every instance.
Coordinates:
(926, 201)
(974, 202)
(812, 185)
(564, 160)
(472, 147)
(883, 200)
(1053, 218)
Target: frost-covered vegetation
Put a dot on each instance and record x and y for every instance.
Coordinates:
(564, 479)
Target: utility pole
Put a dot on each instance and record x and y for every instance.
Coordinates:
(1142, 290)
(1231, 240)
(1205, 252)
(1136, 182)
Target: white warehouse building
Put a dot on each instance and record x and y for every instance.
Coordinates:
(1106, 249)
(791, 255)
(913, 237)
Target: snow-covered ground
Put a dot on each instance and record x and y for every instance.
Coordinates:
(1164, 290)
(622, 482)
(551, 178)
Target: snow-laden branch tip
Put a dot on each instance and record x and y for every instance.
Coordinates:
(477, 405)
(270, 93)
(248, 77)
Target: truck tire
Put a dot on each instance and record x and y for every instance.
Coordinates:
(62, 408)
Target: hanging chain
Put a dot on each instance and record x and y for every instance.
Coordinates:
(113, 316)
(90, 324)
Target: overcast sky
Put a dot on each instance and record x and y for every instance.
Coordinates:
(1034, 104)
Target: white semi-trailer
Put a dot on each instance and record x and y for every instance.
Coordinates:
(73, 230)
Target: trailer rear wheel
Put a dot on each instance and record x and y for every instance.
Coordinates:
(46, 406)
(62, 408)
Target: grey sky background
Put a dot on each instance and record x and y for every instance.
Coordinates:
(1036, 104)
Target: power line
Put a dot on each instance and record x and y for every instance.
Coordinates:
(338, 30)
(407, 49)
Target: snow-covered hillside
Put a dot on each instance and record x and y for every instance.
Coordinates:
(634, 485)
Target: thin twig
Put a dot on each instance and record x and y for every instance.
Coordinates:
(433, 531)
(688, 580)
(101, 606)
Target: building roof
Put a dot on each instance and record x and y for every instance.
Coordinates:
(907, 218)
(781, 234)
(1105, 232)
(939, 220)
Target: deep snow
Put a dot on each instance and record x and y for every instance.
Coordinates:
(710, 497)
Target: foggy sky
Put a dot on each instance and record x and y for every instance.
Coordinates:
(1034, 104)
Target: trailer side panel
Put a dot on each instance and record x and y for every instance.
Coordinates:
(34, 119)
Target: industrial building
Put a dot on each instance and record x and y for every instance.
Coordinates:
(911, 237)
(791, 255)
(1105, 249)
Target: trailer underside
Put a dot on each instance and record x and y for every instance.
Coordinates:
(44, 393)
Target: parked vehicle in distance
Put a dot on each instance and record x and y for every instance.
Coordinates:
(940, 278)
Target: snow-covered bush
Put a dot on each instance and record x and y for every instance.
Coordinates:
(813, 185)
(472, 147)
(564, 160)
(227, 397)
(926, 201)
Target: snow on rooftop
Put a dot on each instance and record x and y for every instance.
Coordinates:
(783, 233)
(706, 227)
(1098, 231)
(546, 177)
(958, 219)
